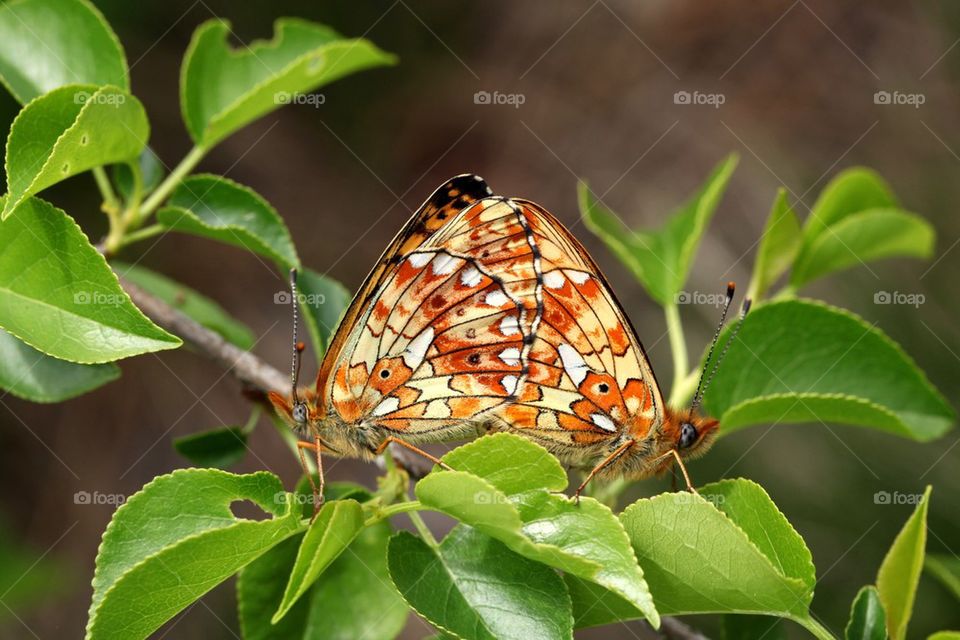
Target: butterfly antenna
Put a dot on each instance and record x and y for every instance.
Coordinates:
(744, 310)
(731, 288)
(298, 347)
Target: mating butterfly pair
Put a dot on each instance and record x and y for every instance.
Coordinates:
(486, 314)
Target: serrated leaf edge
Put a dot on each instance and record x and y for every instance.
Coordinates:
(98, 90)
(235, 228)
(794, 581)
(136, 497)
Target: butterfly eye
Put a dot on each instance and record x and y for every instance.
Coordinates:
(385, 373)
(299, 413)
(688, 435)
(603, 387)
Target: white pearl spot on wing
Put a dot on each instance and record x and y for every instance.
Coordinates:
(510, 384)
(444, 264)
(496, 298)
(415, 352)
(419, 260)
(573, 363)
(579, 277)
(388, 405)
(510, 356)
(603, 422)
(554, 279)
(510, 325)
(470, 277)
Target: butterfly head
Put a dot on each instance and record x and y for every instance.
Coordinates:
(690, 434)
(300, 412)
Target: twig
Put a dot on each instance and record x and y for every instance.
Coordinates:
(245, 366)
(259, 376)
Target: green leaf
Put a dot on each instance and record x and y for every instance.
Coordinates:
(356, 579)
(175, 540)
(660, 259)
(332, 531)
(687, 540)
(338, 607)
(779, 246)
(725, 550)
(219, 448)
(68, 131)
(583, 539)
(861, 237)
(323, 301)
(223, 89)
(192, 304)
(58, 295)
(804, 361)
(850, 191)
(900, 571)
(509, 466)
(35, 376)
(488, 591)
(220, 209)
(856, 218)
(143, 173)
(946, 569)
(945, 635)
(744, 627)
(867, 620)
(45, 44)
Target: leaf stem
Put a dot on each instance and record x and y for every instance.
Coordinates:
(678, 346)
(422, 528)
(171, 181)
(111, 204)
(818, 630)
(389, 511)
(141, 234)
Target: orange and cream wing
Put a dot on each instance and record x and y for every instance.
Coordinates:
(443, 204)
(442, 341)
(589, 378)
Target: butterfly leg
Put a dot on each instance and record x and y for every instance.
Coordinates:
(683, 467)
(683, 470)
(406, 445)
(316, 447)
(606, 462)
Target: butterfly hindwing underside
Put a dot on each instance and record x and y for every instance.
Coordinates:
(485, 312)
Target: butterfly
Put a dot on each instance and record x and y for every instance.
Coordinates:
(486, 314)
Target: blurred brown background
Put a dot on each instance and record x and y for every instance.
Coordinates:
(598, 82)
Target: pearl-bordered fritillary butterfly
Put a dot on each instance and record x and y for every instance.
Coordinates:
(486, 314)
